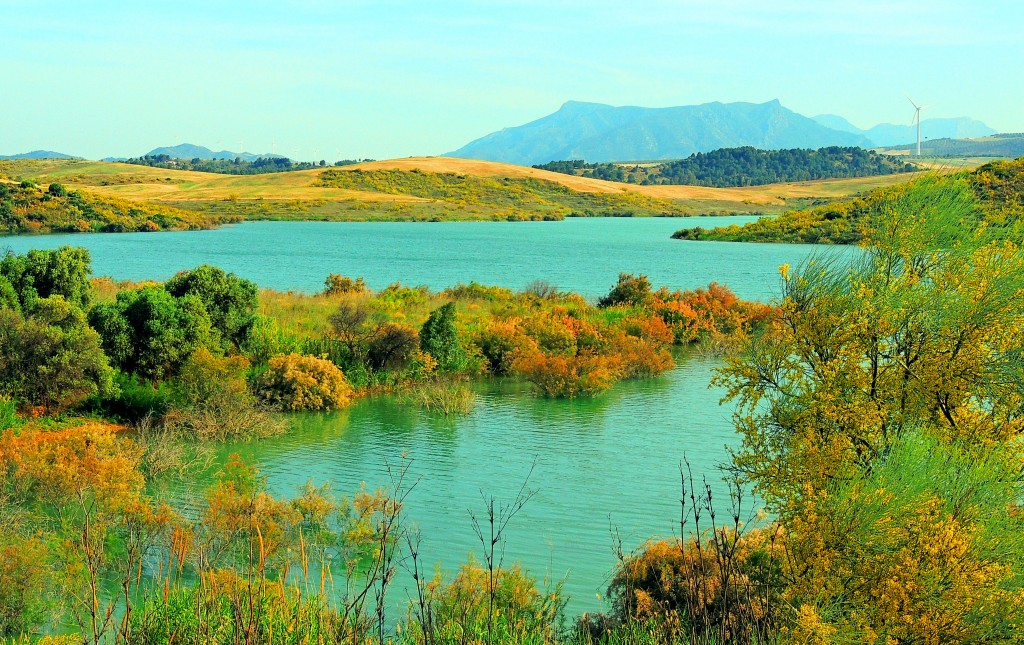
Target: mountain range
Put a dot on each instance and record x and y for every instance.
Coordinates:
(192, 151)
(596, 132)
(39, 154)
(888, 134)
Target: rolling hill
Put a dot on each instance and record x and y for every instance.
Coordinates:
(596, 132)
(997, 187)
(420, 188)
(1009, 145)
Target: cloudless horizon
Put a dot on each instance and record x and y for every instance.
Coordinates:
(313, 79)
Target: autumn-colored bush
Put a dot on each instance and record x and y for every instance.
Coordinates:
(500, 342)
(921, 548)
(298, 382)
(25, 582)
(337, 284)
(569, 376)
(458, 609)
(552, 332)
(84, 494)
(640, 358)
(56, 465)
(213, 401)
(714, 312)
(719, 588)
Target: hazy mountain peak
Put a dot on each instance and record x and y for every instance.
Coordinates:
(597, 132)
(40, 154)
(193, 151)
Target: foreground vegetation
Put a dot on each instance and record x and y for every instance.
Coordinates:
(997, 186)
(879, 406)
(746, 166)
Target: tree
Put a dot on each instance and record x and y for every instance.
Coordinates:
(230, 301)
(352, 325)
(925, 327)
(151, 333)
(631, 289)
(440, 339)
(8, 296)
(51, 358)
(41, 274)
(861, 406)
(392, 346)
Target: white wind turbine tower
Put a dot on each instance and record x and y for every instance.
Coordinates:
(917, 117)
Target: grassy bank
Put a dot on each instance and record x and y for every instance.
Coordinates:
(998, 188)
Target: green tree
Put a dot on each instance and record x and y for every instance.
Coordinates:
(41, 274)
(8, 296)
(631, 289)
(440, 339)
(230, 301)
(52, 358)
(151, 333)
(860, 407)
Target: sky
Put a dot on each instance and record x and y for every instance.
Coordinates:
(347, 79)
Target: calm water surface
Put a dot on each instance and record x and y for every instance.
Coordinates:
(581, 255)
(608, 463)
(601, 464)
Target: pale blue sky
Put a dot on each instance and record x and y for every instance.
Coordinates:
(389, 78)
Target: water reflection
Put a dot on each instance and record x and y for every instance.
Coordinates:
(607, 462)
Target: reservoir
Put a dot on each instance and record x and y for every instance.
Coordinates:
(600, 467)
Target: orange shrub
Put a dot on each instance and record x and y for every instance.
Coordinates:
(640, 358)
(500, 342)
(551, 333)
(65, 463)
(724, 585)
(569, 376)
(649, 327)
(714, 312)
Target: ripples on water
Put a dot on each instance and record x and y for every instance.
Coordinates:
(584, 255)
(608, 462)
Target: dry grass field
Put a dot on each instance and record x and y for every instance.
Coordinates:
(296, 195)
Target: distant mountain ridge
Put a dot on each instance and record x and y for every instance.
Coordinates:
(888, 134)
(598, 133)
(39, 154)
(192, 151)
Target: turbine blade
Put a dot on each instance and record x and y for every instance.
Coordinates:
(912, 101)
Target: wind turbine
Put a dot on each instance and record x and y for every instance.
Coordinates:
(917, 117)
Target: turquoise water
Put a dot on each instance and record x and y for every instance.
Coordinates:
(602, 465)
(581, 255)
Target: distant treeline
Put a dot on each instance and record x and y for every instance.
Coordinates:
(236, 166)
(746, 166)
